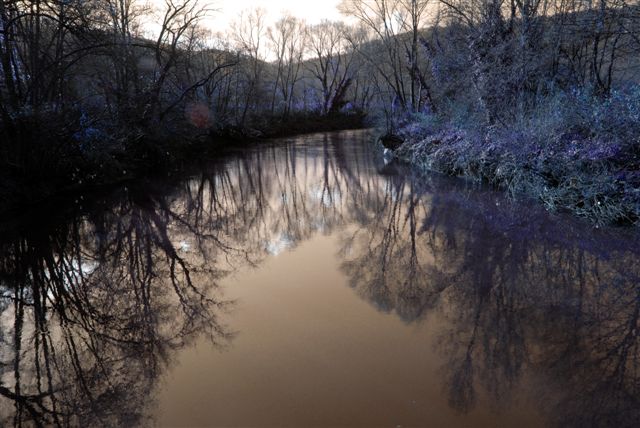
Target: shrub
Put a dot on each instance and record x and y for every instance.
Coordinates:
(575, 152)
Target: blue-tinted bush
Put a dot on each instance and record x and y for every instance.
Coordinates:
(574, 151)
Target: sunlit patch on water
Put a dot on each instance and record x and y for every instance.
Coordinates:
(279, 244)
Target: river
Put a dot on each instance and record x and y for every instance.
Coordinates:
(309, 282)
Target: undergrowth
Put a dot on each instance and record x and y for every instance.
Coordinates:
(576, 153)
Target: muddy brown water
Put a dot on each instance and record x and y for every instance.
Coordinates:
(308, 282)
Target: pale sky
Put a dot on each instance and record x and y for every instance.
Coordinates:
(313, 11)
(227, 11)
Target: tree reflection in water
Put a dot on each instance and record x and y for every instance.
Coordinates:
(94, 308)
(521, 294)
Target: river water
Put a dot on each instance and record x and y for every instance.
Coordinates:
(307, 282)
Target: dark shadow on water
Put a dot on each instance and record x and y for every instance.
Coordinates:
(95, 306)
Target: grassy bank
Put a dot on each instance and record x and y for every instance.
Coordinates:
(577, 153)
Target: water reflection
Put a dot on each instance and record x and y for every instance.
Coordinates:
(94, 308)
(521, 295)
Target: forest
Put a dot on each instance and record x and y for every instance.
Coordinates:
(540, 97)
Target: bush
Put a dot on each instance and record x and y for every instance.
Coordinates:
(575, 152)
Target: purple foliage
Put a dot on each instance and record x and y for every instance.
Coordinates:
(602, 152)
(594, 174)
(347, 108)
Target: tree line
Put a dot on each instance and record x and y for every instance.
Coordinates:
(117, 70)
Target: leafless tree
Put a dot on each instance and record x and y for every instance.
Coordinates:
(288, 40)
(331, 65)
(397, 24)
(249, 32)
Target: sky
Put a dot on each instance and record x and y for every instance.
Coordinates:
(227, 11)
(313, 11)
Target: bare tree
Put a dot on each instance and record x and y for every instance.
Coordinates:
(331, 65)
(288, 39)
(396, 24)
(249, 32)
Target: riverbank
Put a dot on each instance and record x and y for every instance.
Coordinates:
(83, 163)
(582, 159)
